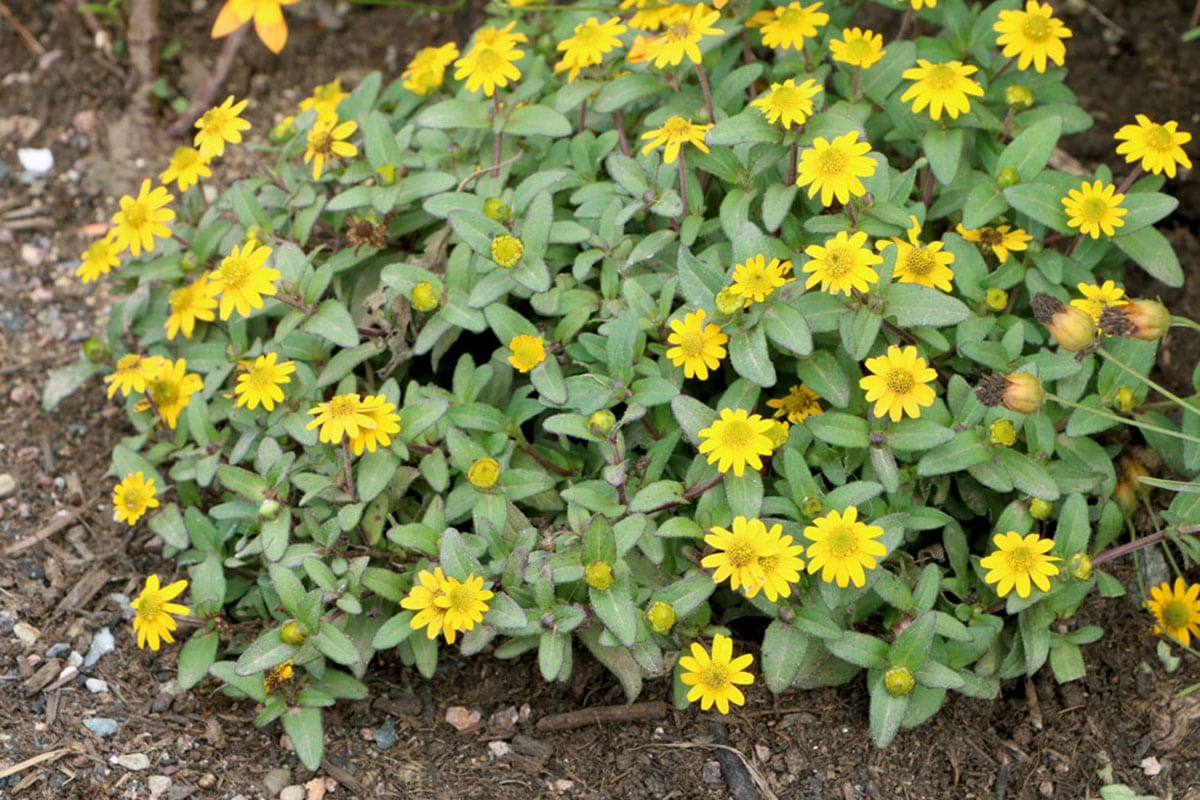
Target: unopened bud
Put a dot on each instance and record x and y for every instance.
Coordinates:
(1008, 177)
(812, 506)
(1130, 489)
(484, 473)
(268, 509)
(96, 350)
(386, 173)
(1125, 400)
(1040, 509)
(424, 297)
(728, 303)
(899, 681)
(599, 575)
(1018, 97)
(996, 299)
(1071, 327)
(602, 422)
(1018, 391)
(661, 617)
(292, 633)
(1001, 432)
(497, 209)
(1080, 567)
(1147, 320)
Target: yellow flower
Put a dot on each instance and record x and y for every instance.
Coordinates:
(152, 620)
(1094, 208)
(187, 167)
(1176, 610)
(1034, 35)
(737, 439)
(857, 47)
(325, 99)
(326, 140)
(799, 404)
(843, 547)
(941, 86)
(268, 21)
(675, 133)
(996, 299)
(587, 47)
(1097, 298)
(243, 279)
(1159, 147)
(132, 497)
(787, 102)
(842, 264)
(500, 38)
(386, 420)
(169, 388)
(654, 14)
(260, 382)
(738, 552)
(278, 675)
(598, 575)
(1017, 561)
(341, 415)
(142, 218)
(755, 280)
(917, 5)
(188, 304)
(100, 257)
(781, 565)
(219, 125)
(926, 265)
(715, 679)
(834, 168)
(483, 473)
(489, 67)
(793, 24)
(698, 347)
(424, 297)
(526, 352)
(130, 374)
(898, 383)
(661, 616)
(427, 69)
(1000, 240)
(682, 37)
(507, 250)
(422, 599)
(463, 604)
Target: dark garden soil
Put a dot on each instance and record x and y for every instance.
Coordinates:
(67, 570)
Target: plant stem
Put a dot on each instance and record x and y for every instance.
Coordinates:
(1127, 420)
(1133, 176)
(1184, 322)
(208, 93)
(496, 146)
(1149, 382)
(792, 164)
(708, 101)
(619, 124)
(1142, 543)
(348, 472)
(683, 186)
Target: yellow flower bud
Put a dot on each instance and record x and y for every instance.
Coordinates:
(812, 506)
(661, 617)
(386, 173)
(507, 250)
(1080, 567)
(996, 299)
(1130, 489)
(292, 633)
(1002, 432)
(497, 209)
(1018, 97)
(1071, 327)
(599, 575)
(484, 473)
(728, 303)
(424, 297)
(1150, 319)
(1040, 509)
(778, 434)
(899, 681)
(1008, 177)
(1125, 401)
(602, 422)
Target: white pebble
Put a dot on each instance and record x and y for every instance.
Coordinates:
(102, 643)
(38, 160)
(96, 686)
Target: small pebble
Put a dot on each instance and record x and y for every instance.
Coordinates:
(8, 484)
(101, 726)
(207, 781)
(499, 749)
(96, 686)
(26, 633)
(36, 160)
(710, 773)
(60, 649)
(384, 735)
(133, 761)
(102, 643)
(159, 785)
(75, 660)
(275, 780)
(293, 792)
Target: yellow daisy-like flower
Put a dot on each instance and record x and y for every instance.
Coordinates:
(793, 24)
(422, 598)
(1019, 561)
(1000, 240)
(1097, 298)
(799, 404)
(738, 552)
(650, 15)
(325, 99)
(941, 87)
(857, 47)
(1158, 147)
(926, 265)
(187, 167)
(917, 5)
(526, 352)
(898, 383)
(427, 70)
(243, 278)
(489, 67)
(715, 678)
(755, 280)
(1095, 208)
(587, 47)
(327, 140)
(834, 168)
(682, 37)
(269, 23)
(260, 382)
(130, 374)
(219, 125)
(698, 347)
(132, 497)
(483, 473)
(152, 620)
(788, 103)
(843, 547)
(507, 250)
(842, 264)
(343, 415)
(781, 566)
(169, 388)
(188, 304)
(387, 422)
(463, 603)
(501, 38)
(99, 259)
(736, 439)
(142, 218)
(675, 133)
(1033, 35)
(1176, 610)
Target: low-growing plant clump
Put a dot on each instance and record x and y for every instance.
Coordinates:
(611, 329)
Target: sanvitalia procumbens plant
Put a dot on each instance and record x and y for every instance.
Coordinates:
(613, 328)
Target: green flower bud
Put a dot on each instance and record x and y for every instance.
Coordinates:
(1002, 433)
(661, 617)
(1018, 97)
(602, 422)
(484, 473)
(812, 506)
(996, 299)
(899, 681)
(268, 509)
(1040, 509)
(599, 575)
(188, 263)
(1080, 567)
(1008, 177)
(293, 634)
(497, 209)
(1125, 401)
(96, 350)
(386, 173)
(778, 434)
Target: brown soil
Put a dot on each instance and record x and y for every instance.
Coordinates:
(1124, 722)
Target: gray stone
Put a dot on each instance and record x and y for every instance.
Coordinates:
(101, 726)
(8, 484)
(135, 762)
(96, 686)
(275, 780)
(159, 784)
(293, 792)
(102, 643)
(385, 735)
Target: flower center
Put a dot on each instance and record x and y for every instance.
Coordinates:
(741, 553)
(342, 407)
(460, 597)
(212, 122)
(769, 563)
(716, 676)
(1020, 559)
(1093, 209)
(261, 378)
(791, 17)
(526, 352)
(135, 498)
(756, 280)
(136, 214)
(1036, 28)
(676, 127)
(859, 49)
(920, 261)
(899, 381)
(235, 272)
(1176, 614)
(165, 393)
(183, 299)
(832, 161)
(842, 542)
(680, 30)
(991, 237)
(737, 434)
(838, 261)
(785, 97)
(590, 36)
(691, 343)
(1159, 138)
(149, 607)
(489, 59)
(941, 77)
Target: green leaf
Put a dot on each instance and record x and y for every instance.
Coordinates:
(692, 416)
(624, 91)
(197, 655)
(836, 428)
(783, 651)
(65, 381)
(621, 345)
(1145, 208)
(250, 686)
(917, 435)
(745, 493)
(335, 644)
(913, 305)
(747, 127)
(537, 120)
(822, 373)
(943, 147)
(1041, 203)
(454, 114)
(912, 645)
(394, 631)
(1027, 475)
(287, 586)
(243, 482)
(887, 712)
(1074, 529)
(505, 614)
(303, 726)
(881, 79)
(859, 648)
(749, 356)
(169, 526)
(616, 609)
(267, 651)
(373, 473)
(418, 417)
(1153, 253)
(656, 495)
(1030, 151)
(787, 328)
(984, 202)
(964, 450)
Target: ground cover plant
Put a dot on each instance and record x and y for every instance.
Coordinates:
(696, 316)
